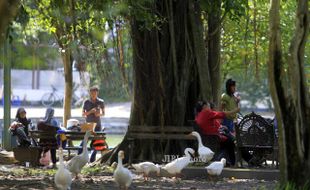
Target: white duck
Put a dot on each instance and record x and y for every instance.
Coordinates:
(176, 166)
(122, 176)
(205, 153)
(63, 178)
(76, 164)
(146, 168)
(216, 168)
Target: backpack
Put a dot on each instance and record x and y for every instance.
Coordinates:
(99, 145)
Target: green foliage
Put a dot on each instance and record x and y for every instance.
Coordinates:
(30, 48)
(292, 186)
(32, 172)
(22, 17)
(87, 28)
(89, 31)
(234, 8)
(95, 170)
(287, 24)
(238, 48)
(143, 12)
(111, 85)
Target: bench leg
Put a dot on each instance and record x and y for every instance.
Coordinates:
(131, 144)
(239, 158)
(273, 158)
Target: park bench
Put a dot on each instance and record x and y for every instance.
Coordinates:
(70, 136)
(257, 135)
(45, 137)
(32, 154)
(161, 133)
(27, 154)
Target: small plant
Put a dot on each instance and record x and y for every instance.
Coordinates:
(292, 186)
(94, 170)
(33, 172)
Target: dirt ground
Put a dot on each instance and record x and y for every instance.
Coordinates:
(19, 177)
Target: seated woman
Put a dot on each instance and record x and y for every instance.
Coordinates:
(49, 124)
(209, 122)
(19, 128)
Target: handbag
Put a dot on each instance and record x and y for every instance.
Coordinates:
(45, 158)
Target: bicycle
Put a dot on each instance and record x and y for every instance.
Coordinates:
(78, 98)
(48, 99)
(78, 101)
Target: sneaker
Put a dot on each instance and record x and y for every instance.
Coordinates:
(54, 166)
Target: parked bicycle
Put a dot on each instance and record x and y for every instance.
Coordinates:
(78, 101)
(50, 98)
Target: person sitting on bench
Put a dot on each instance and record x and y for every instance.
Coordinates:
(19, 128)
(49, 124)
(208, 121)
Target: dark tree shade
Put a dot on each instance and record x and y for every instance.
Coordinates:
(170, 72)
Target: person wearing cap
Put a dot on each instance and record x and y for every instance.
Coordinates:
(230, 102)
(92, 110)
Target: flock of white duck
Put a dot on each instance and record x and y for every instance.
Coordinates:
(123, 177)
(63, 176)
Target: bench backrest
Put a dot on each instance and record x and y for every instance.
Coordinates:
(44, 131)
(165, 132)
(46, 135)
(74, 135)
(47, 128)
(254, 131)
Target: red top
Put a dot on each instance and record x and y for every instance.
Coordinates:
(208, 121)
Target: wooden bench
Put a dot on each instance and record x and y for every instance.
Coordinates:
(254, 133)
(156, 133)
(27, 154)
(73, 136)
(70, 135)
(164, 133)
(32, 154)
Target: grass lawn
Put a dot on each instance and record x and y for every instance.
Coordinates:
(112, 140)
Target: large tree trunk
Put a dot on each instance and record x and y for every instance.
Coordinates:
(8, 9)
(214, 47)
(168, 77)
(275, 73)
(67, 62)
(65, 35)
(291, 99)
(66, 56)
(297, 120)
(165, 65)
(202, 71)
